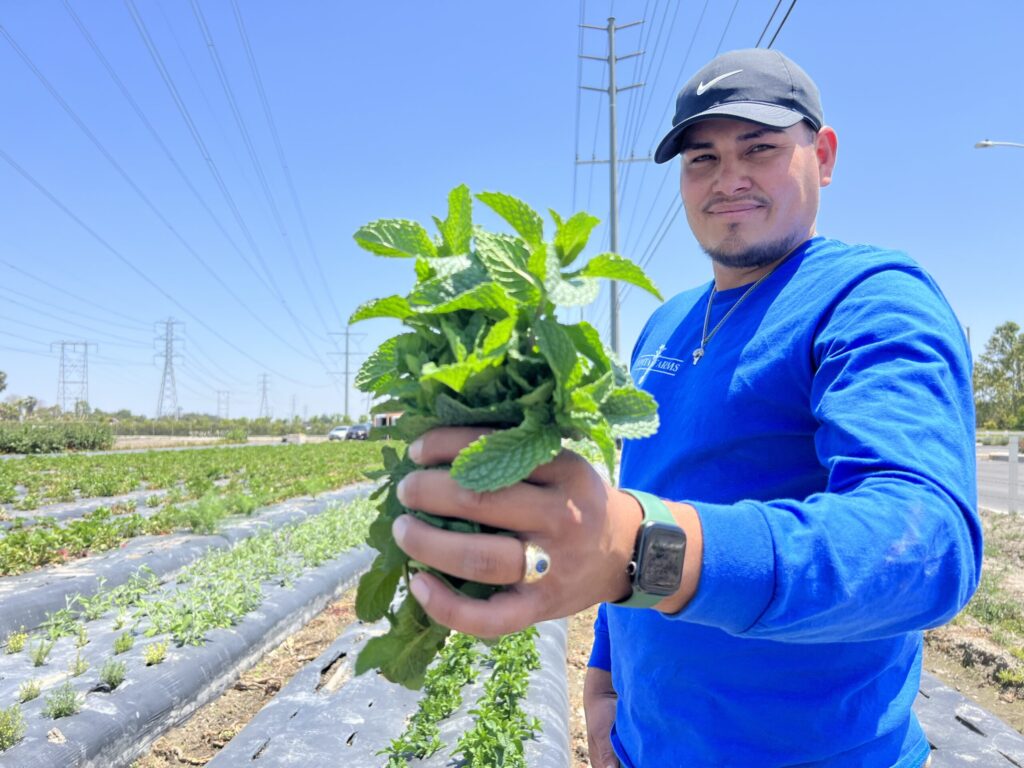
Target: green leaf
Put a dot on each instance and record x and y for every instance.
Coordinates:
(503, 458)
(453, 413)
(574, 291)
(389, 306)
(615, 267)
(506, 260)
(395, 237)
(483, 296)
(405, 652)
(571, 236)
(630, 413)
(588, 343)
(412, 425)
(498, 336)
(380, 369)
(557, 348)
(458, 227)
(522, 218)
(376, 589)
(456, 375)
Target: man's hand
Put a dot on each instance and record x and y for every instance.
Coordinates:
(587, 528)
(599, 701)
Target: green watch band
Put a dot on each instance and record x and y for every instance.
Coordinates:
(655, 511)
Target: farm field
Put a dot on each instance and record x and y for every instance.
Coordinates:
(139, 587)
(195, 607)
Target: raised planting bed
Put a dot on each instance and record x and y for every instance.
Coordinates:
(216, 618)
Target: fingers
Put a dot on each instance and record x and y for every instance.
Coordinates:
(481, 557)
(501, 614)
(437, 492)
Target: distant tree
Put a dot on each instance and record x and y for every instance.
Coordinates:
(3, 381)
(999, 380)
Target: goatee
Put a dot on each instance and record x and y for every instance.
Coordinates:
(752, 256)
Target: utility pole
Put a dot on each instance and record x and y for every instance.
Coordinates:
(294, 401)
(346, 354)
(167, 403)
(223, 404)
(613, 155)
(264, 403)
(73, 379)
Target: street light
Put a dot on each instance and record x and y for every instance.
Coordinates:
(987, 143)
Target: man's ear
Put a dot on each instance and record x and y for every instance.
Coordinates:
(825, 147)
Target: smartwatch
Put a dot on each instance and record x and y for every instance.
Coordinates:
(656, 570)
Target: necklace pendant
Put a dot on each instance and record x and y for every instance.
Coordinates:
(698, 353)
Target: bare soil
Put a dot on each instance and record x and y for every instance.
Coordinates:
(970, 656)
(198, 740)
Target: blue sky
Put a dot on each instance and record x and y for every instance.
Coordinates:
(114, 222)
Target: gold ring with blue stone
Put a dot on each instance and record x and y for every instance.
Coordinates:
(536, 563)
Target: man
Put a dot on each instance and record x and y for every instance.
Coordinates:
(808, 503)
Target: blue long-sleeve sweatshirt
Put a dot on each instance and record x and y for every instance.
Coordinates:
(826, 439)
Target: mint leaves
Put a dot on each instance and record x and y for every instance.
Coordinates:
(484, 347)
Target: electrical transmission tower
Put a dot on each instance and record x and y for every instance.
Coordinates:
(346, 354)
(73, 380)
(223, 404)
(263, 383)
(167, 402)
(613, 154)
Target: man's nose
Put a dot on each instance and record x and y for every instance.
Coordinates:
(732, 178)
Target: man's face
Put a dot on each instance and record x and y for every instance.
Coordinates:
(751, 191)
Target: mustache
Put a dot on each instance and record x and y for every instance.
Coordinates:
(720, 199)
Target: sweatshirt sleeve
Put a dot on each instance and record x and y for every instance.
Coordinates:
(601, 652)
(894, 542)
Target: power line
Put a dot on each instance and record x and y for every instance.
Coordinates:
(51, 286)
(124, 260)
(250, 148)
(768, 24)
(184, 177)
(728, 24)
(131, 182)
(280, 154)
(197, 138)
(782, 23)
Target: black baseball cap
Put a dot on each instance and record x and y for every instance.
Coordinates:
(755, 84)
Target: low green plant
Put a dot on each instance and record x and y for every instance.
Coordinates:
(12, 726)
(41, 651)
(501, 726)
(112, 673)
(154, 653)
(16, 641)
(63, 702)
(124, 643)
(28, 690)
(442, 688)
(78, 666)
(82, 639)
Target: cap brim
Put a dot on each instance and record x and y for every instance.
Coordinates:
(765, 114)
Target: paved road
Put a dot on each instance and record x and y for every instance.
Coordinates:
(994, 483)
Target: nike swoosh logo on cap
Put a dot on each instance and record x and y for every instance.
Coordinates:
(703, 87)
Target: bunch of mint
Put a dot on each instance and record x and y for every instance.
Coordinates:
(485, 348)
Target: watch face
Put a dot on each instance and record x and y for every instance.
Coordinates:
(660, 561)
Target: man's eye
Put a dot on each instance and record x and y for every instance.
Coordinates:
(761, 147)
(700, 158)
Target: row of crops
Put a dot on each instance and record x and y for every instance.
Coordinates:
(185, 569)
(110, 499)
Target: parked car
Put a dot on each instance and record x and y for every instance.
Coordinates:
(338, 433)
(358, 432)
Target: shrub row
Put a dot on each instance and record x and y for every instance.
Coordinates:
(53, 437)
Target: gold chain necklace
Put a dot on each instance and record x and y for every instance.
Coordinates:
(698, 353)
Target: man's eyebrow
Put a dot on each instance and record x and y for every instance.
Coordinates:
(756, 134)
